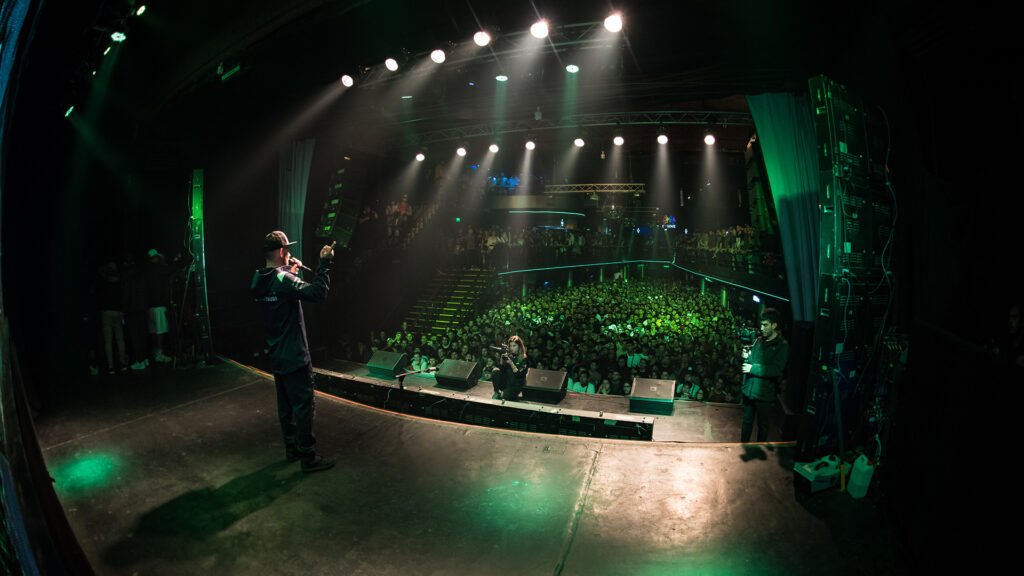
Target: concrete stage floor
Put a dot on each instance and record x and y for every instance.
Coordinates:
(182, 472)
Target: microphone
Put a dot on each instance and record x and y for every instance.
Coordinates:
(294, 262)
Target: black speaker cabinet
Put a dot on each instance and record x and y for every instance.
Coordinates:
(458, 374)
(546, 386)
(650, 396)
(384, 364)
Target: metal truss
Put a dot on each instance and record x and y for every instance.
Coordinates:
(617, 119)
(615, 188)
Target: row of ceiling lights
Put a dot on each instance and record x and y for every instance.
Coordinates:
(662, 139)
(613, 23)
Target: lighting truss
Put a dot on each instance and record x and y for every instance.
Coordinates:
(595, 188)
(610, 119)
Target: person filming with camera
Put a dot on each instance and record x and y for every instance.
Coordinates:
(763, 363)
(509, 376)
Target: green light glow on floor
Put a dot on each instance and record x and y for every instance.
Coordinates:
(85, 473)
(527, 506)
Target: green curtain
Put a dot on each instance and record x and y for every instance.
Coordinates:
(786, 134)
(293, 181)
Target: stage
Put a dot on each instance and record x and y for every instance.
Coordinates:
(182, 472)
(689, 421)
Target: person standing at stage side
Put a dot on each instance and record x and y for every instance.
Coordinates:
(158, 296)
(279, 293)
(509, 377)
(762, 368)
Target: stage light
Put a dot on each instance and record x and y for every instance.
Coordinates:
(391, 64)
(70, 110)
(709, 139)
(407, 97)
(578, 142)
(461, 151)
(539, 29)
(482, 38)
(118, 37)
(756, 298)
(662, 139)
(530, 145)
(501, 78)
(618, 140)
(420, 157)
(493, 148)
(347, 81)
(613, 23)
(141, 10)
(437, 56)
(572, 68)
(107, 51)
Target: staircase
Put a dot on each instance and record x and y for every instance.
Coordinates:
(449, 300)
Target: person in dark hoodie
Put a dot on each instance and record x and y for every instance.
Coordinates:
(762, 368)
(279, 293)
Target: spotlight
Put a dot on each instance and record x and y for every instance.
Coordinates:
(572, 68)
(709, 139)
(613, 23)
(493, 148)
(482, 38)
(501, 78)
(530, 145)
(118, 37)
(437, 56)
(662, 139)
(420, 157)
(539, 29)
(578, 142)
(72, 109)
(347, 81)
(391, 64)
(618, 140)
(461, 151)
(141, 10)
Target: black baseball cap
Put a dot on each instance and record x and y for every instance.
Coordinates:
(276, 240)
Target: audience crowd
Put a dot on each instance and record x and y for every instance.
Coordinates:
(602, 335)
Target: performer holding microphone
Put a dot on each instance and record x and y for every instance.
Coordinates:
(763, 364)
(279, 293)
(509, 377)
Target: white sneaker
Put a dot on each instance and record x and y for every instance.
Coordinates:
(161, 358)
(141, 364)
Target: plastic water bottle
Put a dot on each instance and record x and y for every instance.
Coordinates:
(860, 478)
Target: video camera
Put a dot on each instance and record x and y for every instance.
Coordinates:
(747, 335)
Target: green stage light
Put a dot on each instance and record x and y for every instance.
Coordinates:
(572, 68)
(118, 37)
(141, 10)
(501, 78)
(70, 110)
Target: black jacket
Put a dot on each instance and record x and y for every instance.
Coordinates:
(767, 360)
(279, 293)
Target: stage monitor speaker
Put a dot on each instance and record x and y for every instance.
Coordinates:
(544, 386)
(385, 364)
(458, 374)
(650, 396)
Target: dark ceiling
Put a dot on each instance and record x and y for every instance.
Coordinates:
(695, 56)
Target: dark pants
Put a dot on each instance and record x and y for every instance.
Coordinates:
(295, 409)
(756, 410)
(506, 384)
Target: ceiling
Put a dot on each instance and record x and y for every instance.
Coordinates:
(671, 56)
